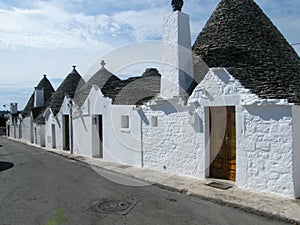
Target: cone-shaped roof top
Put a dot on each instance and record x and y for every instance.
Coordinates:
(132, 91)
(68, 87)
(48, 90)
(104, 79)
(241, 38)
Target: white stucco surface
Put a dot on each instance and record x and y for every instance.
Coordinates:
(27, 129)
(56, 121)
(39, 134)
(177, 69)
(265, 158)
(174, 145)
(119, 145)
(296, 146)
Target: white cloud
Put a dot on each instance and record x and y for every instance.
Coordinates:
(146, 24)
(47, 26)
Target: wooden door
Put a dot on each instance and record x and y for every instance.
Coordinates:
(222, 142)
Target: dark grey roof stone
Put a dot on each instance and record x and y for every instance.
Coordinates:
(48, 90)
(68, 87)
(104, 79)
(241, 38)
(133, 91)
(138, 90)
(151, 72)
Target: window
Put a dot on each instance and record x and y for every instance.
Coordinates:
(125, 122)
(154, 122)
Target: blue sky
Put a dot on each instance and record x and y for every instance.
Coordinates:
(49, 36)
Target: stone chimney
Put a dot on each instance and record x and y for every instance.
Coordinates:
(13, 108)
(38, 97)
(177, 68)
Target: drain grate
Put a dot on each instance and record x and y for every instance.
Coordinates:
(120, 207)
(219, 185)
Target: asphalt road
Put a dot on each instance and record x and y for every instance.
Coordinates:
(37, 187)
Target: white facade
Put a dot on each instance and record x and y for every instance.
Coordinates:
(56, 128)
(122, 145)
(266, 143)
(39, 134)
(173, 145)
(27, 129)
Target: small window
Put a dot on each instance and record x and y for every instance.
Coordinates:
(154, 122)
(125, 122)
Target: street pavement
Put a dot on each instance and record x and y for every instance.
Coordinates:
(39, 187)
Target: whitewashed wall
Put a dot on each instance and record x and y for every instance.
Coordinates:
(296, 145)
(57, 121)
(265, 153)
(120, 145)
(27, 132)
(264, 133)
(175, 145)
(266, 147)
(39, 134)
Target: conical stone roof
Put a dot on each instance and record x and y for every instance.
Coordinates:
(69, 86)
(241, 38)
(48, 90)
(104, 79)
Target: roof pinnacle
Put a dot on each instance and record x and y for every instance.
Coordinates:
(177, 5)
(102, 63)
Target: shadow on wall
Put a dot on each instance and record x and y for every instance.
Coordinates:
(270, 112)
(5, 166)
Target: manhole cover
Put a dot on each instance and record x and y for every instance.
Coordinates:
(220, 185)
(121, 207)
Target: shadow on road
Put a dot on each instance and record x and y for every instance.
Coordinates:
(5, 166)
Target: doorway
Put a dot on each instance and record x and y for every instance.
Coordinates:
(97, 136)
(66, 132)
(53, 136)
(222, 127)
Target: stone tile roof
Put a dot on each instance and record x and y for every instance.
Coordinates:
(241, 38)
(104, 79)
(134, 90)
(48, 90)
(69, 86)
(137, 90)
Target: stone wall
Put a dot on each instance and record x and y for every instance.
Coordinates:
(176, 144)
(265, 155)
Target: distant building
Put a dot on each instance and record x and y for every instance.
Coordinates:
(57, 118)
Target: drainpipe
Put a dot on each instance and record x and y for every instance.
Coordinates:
(71, 125)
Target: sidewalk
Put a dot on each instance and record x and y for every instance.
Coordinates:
(254, 202)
